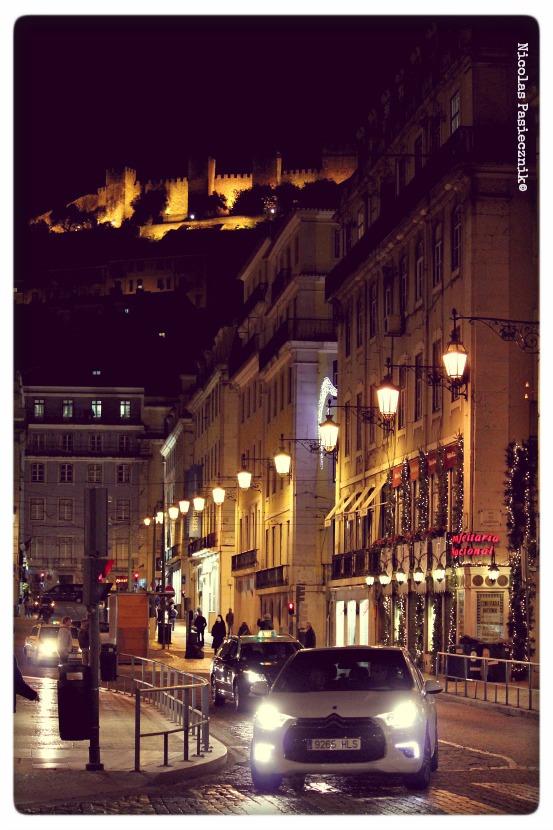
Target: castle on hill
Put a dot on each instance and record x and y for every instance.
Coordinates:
(112, 202)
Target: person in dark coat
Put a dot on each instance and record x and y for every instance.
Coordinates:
(265, 624)
(244, 630)
(229, 619)
(218, 632)
(20, 687)
(200, 622)
(309, 638)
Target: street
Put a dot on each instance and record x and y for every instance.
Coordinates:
(488, 765)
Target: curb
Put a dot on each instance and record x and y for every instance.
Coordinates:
(511, 711)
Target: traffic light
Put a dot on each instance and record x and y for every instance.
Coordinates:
(300, 593)
(135, 576)
(96, 569)
(291, 609)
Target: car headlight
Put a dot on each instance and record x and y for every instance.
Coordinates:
(253, 676)
(47, 649)
(402, 717)
(268, 717)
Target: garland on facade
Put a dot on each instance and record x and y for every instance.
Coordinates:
(452, 625)
(437, 626)
(423, 498)
(402, 626)
(389, 508)
(419, 628)
(405, 495)
(441, 478)
(459, 487)
(520, 500)
(387, 611)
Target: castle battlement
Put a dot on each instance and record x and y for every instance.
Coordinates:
(229, 176)
(305, 171)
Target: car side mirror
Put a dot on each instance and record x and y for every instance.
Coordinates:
(432, 687)
(260, 687)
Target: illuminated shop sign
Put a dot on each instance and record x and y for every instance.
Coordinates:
(470, 545)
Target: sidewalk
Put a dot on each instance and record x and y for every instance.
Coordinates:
(173, 654)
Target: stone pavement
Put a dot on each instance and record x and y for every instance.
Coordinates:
(173, 654)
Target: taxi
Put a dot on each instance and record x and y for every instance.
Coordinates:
(41, 646)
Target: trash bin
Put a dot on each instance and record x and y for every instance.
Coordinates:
(108, 661)
(455, 664)
(164, 630)
(74, 703)
(193, 647)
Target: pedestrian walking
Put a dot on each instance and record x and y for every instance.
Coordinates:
(218, 632)
(244, 629)
(65, 639)
(309, 638)
(229, 619)
(84, 641)
(20, 687)
(172, 615)
(200, 622)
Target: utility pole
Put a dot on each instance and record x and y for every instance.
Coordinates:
(96, 546)
(162, 598)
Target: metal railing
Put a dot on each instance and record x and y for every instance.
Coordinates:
(181, 697)
(491, 679)
(271, 577)
(246, 559)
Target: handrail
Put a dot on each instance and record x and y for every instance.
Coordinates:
(187, 703)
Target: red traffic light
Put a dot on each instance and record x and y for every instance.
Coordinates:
(42, 575)
(291, 608)
(135, 576)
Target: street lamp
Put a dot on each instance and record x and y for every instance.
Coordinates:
(199, 503)
(173, 512)
(147, 521)
(439, 573)
(388, 397)
(218, 494)
(369, 580)
(493, 571)
(159, 517)
(244, 479)
(328, 433)
(384, 578)
(184, 506)
(455, 356)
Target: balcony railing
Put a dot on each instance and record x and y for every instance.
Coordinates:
(282, 281)
(247, 559)
(257, 295)
(271, 577)
(209, 541)
(352, 563)
(305, 330)
(241, 353)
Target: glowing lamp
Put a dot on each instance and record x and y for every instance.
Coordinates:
(455, 358)
(418, 575)
(493, 572)
(369, 580)
(384, 578)
(388, 397)
(283, 461)
(328, 434)
(401, 576)
(218, 494)
(147, 521)
(199, 503)
(173, 512)
(439, 573)
(159, 517)
(244, 479)
(184, 506)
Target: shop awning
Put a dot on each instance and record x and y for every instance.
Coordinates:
(363, 506)
(339, 507)
(361, 497)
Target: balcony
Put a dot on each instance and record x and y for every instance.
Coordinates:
(271, 577)
(281, 282)
(82, 452)
(305, 330)
(241, 353)
(350, 564)
(206, 542)
(86, 418)
(466, 146)
(173, 552)
(257, 296)
(247, 559)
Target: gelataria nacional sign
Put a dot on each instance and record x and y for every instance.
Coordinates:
(468, 546)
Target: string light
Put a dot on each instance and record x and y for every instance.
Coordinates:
(405, 497)
(387, 608)
(420, 604)
(423, 502)
(402, 623)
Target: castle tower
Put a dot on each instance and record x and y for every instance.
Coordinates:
(201, 176)
(267, 170)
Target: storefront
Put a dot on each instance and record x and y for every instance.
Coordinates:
(207, 584)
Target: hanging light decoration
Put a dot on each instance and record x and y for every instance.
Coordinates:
(173, 512)
(328, 434)
(439, 573)
(199, 503)
(184, 506)
(401, 576)
(218, 494)
(369, 580)
(384, 578)
(493, 572)
(418, 575)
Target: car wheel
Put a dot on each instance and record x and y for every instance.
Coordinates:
(298, 783)
(421, 780)
(435, 758)
(263, 782)
(239, 697)
(216, 697)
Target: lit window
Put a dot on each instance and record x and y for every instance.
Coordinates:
(96, 409)
(38, 408)
(96, 372)
(67, 409)
(125, 409)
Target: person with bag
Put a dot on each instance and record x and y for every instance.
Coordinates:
(218, 633)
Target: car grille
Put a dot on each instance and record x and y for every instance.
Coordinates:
(373, 744)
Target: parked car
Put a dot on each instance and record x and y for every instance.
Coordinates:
(41, 646)
(241, 661)
(346, 711)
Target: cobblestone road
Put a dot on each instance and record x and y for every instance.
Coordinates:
(469, 782)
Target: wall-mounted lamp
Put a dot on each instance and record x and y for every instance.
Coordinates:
(199, 503)
(159, 517)
(439, 573)
(218, 494)
(418, 575)
(401, 576)
(184, 506)
(369, 580)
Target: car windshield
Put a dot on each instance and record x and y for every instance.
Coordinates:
(49, 632)
(267, 652)
(340, 670)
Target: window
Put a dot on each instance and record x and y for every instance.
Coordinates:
(359, 320)
(402, 401)
(125, 409)
(121, 553)
(437, 387)
(37, 472)
(347, 436)
(289, 384)
(66, 473)
(437, 264)
(360, 222)
(37, 443)
(94, 474)
(418, 387)
(123, 474)
(359, 423)
(268, 402)
(38, 408)
(419, 270)
(403, 284)
(37, 551)
(388, 299)
(456, 238)
(65, 510)
(373, 310)
(123, 510)
(95, 443)
(37, 510)
(275, 398)
(67, 409)
(96, 409)
(65, 548)
(336, 244)
(418, 154)
(67, 442)
(124, 443)
(372, 424)
(435, 134)
(455, 112)
(347, 331)
(282, 390)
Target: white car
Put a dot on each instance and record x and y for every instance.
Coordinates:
(349, 710)
(41, 646)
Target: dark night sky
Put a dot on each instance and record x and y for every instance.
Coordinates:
(97, 92)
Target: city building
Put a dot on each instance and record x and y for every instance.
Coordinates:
(434, 220)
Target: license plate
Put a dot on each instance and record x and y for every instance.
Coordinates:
(334, 744)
